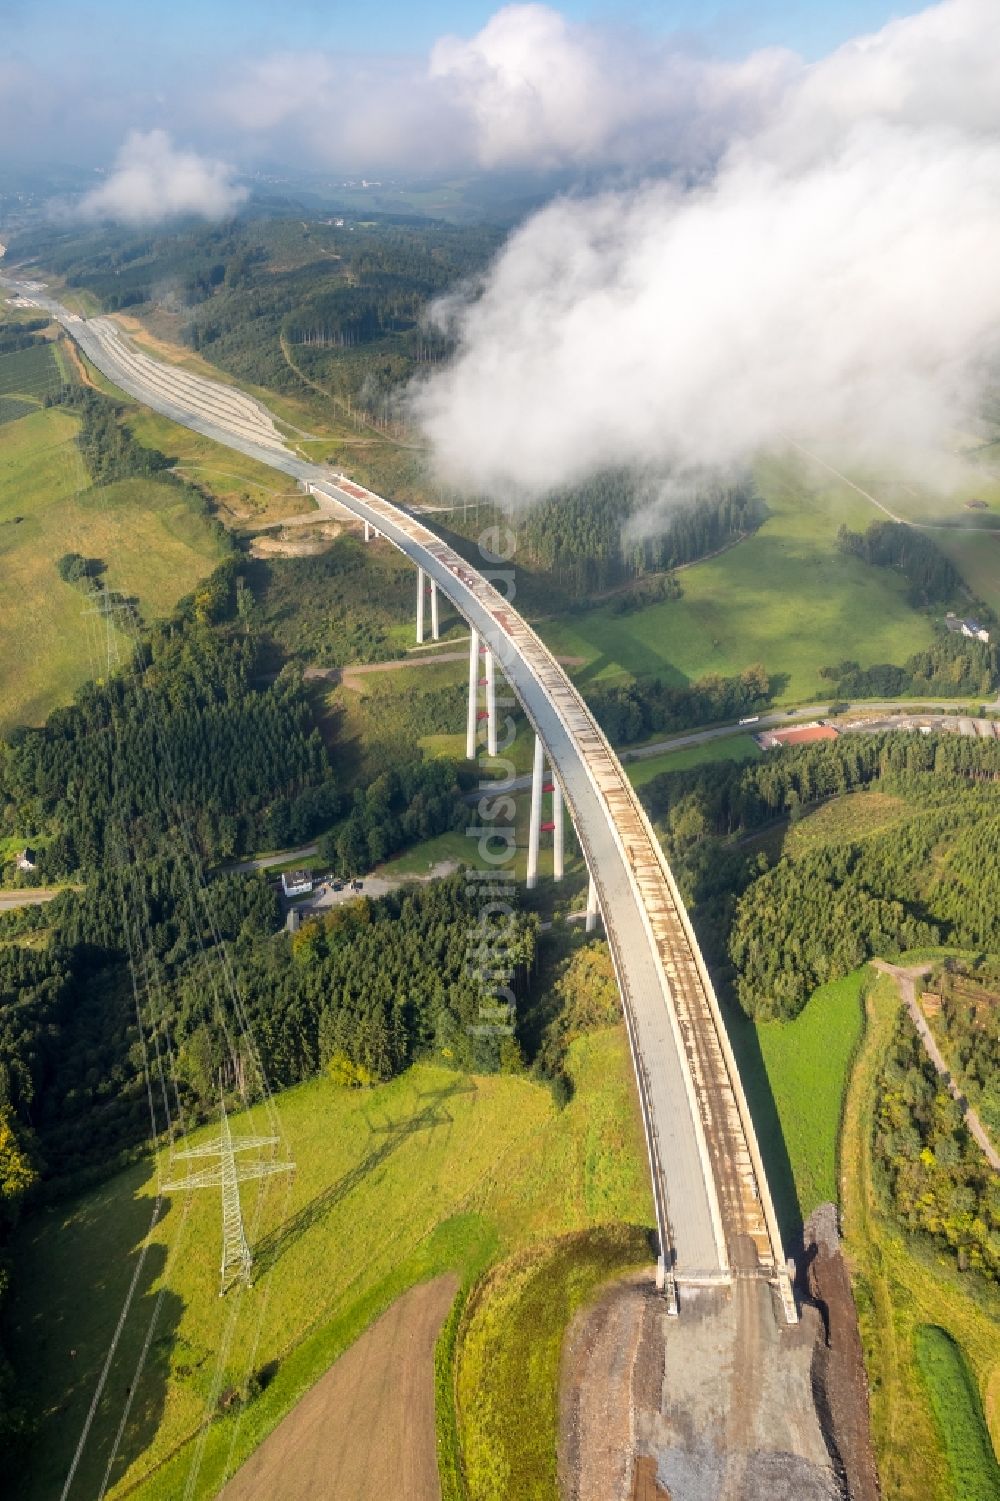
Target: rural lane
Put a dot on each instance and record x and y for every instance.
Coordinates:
(905, 979)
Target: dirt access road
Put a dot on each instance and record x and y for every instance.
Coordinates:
(905, 979)
(365, 1431)
(713, 1406)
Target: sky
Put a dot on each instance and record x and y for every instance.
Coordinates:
(781, 223)
(77, 75)
(185, 28)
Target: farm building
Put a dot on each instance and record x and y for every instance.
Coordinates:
(802, 734)
(296, 882)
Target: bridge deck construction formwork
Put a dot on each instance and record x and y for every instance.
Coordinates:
(715, 1218)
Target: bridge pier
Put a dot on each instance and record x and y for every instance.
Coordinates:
(421, 582)
(535, 820)
(472, 720)
(539, 787)
(491, 704)
(367, 530)
(557, 830)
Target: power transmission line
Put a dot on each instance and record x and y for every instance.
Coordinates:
(228, 1174)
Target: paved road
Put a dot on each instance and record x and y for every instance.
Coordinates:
(712, 1200)
(784, 718)
(905, 980)
(27, 897)
(282, 857)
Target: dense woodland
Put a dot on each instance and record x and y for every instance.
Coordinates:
(781, 926)
(951, 667)
(615, 528)
(778, 916)
(21, 334)
(342, 302)
(179, 761)
(634, 711)
(931, 1174)
(968, 1030)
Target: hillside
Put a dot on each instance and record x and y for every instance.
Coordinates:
(453, 1170)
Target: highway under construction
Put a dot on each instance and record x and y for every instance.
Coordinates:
(715, 1218)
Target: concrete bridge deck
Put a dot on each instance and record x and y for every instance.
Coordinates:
(715, 1216)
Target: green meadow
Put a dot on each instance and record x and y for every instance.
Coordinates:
(429, 1172)
(808, 1063)
(784, 597)
(154, 542)
(958, 1410)
(726, 748)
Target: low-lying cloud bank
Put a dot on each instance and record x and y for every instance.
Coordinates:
(153, 180)
(834, 280)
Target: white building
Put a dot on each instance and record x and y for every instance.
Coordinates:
(296, 882)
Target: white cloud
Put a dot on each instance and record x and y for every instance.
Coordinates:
(540, 90)
(835, 280)
(529, 90)
(152, 180)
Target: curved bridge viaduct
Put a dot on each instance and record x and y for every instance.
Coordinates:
(715, 1217)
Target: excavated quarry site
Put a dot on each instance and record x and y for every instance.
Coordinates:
(724, 1403)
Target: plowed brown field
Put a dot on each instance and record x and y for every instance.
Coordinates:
(365, 1431)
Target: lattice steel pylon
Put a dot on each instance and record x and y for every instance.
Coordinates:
(228, 1174)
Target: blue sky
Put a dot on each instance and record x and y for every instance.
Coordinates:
(60, 27)
(346, 84)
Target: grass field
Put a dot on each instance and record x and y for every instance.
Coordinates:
(155, 545)
(975, 1474)
(429, 1172)
(32, 372)
(897, 1290)
(249, 494)
(507, 1357)
(808, 1061)
(726, 748)
(785, 597)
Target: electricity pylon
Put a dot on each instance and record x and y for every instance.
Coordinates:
(228, 1174)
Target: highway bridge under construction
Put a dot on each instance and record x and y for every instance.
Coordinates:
(715, 1217)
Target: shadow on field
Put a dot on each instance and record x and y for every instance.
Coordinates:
(753, 1073)
(394, 1133)
(72, 1346)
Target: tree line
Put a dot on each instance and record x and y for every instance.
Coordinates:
(777, 930)
(952, 666)
(932, 578)
(612, 529)
(929, 1172)
(634, 711)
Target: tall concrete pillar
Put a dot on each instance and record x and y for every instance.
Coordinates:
(557, 830)
(367, 529)
(535, 821)
(420, 605)
(471, 722)
(591, 906)
(434, 611)
(491, 704)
